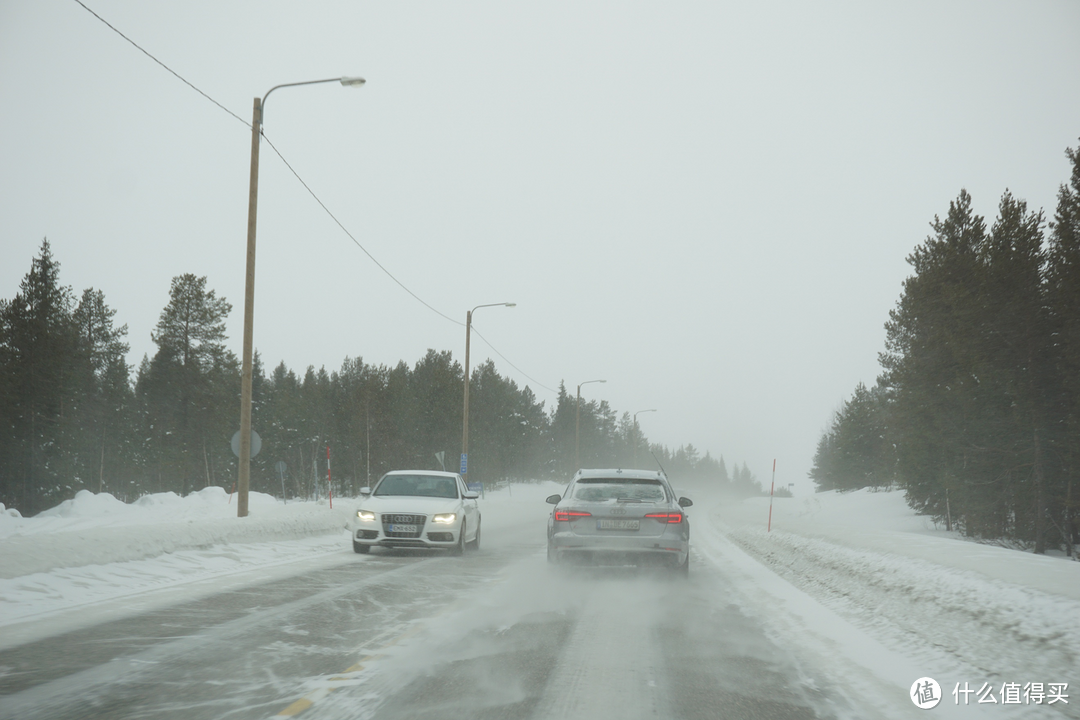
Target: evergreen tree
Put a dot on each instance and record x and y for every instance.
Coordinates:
(39, 354)
(1063, 302)
(190, 390)
(562, 435)
(925, 363)
(70, 419)
(105, 417)
(856, 452)
(1012, 360)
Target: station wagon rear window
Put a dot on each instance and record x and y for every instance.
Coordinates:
(603, 489)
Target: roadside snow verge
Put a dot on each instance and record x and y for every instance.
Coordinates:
(942, 613)
(98, 529)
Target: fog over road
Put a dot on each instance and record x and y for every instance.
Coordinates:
(496, 634)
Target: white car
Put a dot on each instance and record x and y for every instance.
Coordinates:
(418, 509)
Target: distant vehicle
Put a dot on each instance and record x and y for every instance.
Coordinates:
(418, 509)
(620, 517)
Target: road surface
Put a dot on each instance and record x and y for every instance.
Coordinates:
(398, 635)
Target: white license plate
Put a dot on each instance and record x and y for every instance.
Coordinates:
(401, 528)
(609, 524)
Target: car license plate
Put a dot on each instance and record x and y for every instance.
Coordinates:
(401, 528)
(610, 524)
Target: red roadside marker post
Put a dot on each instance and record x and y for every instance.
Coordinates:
(771, 486)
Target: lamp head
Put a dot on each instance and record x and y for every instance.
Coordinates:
(352, 81)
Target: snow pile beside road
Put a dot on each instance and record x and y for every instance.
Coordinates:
(93, 529)
(997, 613)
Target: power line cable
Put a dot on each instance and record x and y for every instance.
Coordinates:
(310, 191)
(537, 382)
(351, 237)
(174, 73)
(390, 274)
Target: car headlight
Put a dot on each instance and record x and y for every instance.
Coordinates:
(365, 515)
(444, 518)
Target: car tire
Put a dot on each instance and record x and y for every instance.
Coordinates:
(552, 558)
(683, 570)
(475, 544)
(360, 548)
(459, 548)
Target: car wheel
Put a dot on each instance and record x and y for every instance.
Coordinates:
(360, 548)
(684, 569)
(475, 544)
(551, 557)
(459, 549)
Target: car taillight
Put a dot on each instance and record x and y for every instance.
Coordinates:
(673, 517)
(568, 515)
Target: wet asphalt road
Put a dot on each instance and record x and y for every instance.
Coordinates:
(396, 635)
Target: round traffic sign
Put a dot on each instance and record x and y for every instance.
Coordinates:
(256, 444)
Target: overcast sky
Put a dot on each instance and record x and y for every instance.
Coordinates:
(707, 204)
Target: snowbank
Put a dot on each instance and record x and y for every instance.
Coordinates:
(94, 528)
(988, 611)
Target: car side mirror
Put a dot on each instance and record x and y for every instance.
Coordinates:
(553, 499)
(470, 495)
(365, 491)
(685, 502)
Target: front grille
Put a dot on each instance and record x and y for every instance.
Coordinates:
(401, 519)
(440, 537)
(395, 519)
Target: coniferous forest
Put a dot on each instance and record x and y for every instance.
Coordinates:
(977, 411)
(75, 416)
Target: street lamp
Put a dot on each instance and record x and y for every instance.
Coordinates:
(577, 423)
(465, 412)
(244, 480)
(636, 432)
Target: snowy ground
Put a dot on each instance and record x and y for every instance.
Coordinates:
(855, 583)
(924, 601)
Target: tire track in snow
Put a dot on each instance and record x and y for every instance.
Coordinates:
(608, 669)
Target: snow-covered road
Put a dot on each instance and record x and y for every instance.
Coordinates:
(834, 613)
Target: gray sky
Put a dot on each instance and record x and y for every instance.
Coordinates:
(707, 204)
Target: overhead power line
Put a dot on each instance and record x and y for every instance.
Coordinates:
(391, 275)
(173, 72)
(311, 192)
(353, 238)
(536, 382)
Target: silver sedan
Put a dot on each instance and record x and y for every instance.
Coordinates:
(620, 517)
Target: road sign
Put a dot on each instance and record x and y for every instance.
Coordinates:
(464, 463)
(256, 444)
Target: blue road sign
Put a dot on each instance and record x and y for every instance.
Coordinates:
(464, 463)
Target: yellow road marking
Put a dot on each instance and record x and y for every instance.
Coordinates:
(296, 708)
(310, 699)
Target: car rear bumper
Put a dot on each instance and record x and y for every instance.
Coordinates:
(618, 550)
